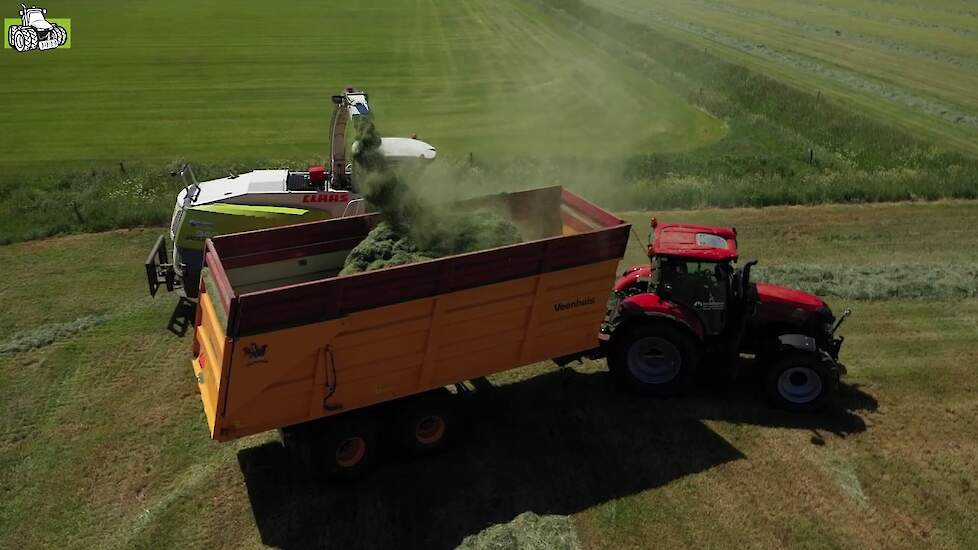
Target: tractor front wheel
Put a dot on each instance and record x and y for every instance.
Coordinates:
(801, 382)
(654, 359)
(17, 39)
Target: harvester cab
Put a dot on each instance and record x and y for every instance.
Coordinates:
(692, 307)
(262, 199)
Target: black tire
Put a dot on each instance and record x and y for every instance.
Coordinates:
(801, 382)
(348, 446)
(654, 359)
(299, 443)
(425, 424)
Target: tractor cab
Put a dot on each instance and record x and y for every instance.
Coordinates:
(35, 18)
(692, 267)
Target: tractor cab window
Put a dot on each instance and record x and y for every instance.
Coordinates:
(34, 16)
(711, 240)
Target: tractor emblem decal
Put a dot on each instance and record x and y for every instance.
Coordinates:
(35, 32)
(256, 353)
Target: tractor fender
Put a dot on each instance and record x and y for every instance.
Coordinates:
(650, 307)
(632, 276)
(798, 342)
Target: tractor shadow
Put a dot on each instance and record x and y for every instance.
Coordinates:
(557, 443)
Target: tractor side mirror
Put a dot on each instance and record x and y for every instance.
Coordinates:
(747, 268)
(749, 297)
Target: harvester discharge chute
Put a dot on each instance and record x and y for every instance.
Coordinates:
(266, 198)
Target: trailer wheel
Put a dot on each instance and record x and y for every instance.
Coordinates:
(426, 423)
(802, 382)
(349, 446)
(654, 359)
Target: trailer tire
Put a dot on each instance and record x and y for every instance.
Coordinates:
(426, 424)
(298, 445)
(348, 447)
(654, 359)
(801, 382)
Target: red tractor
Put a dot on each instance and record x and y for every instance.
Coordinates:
(692, 311)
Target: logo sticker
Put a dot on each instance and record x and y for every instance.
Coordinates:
(256, 353)
(580, 302)
(34, 31)
(327, 197)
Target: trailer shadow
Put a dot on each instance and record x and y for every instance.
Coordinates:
(557, 443)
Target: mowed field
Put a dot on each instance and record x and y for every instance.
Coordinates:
(204, 81)
(913, 63)
(103, 442)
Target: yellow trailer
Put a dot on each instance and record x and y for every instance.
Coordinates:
(282, 342)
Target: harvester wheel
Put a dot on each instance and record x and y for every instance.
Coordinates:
(802, 382)
(426, 424)
(654, 359)
(349, 446)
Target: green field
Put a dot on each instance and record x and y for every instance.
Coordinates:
(635, 107)
(911, 63)
(103, 441)
(208, 82)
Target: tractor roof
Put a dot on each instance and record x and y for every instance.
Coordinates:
(694, 242)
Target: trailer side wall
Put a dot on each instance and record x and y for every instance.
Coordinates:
(324, 347)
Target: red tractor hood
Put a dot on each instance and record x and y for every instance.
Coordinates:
(774, 294)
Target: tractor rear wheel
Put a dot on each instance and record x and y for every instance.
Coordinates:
(802, 382)
(654, 359)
